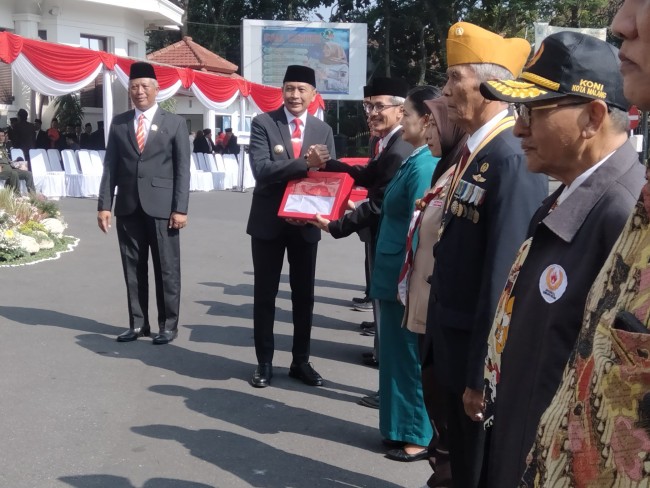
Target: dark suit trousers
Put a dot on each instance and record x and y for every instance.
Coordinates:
(467, 441)
(137, 233)
(435, 402)
(268, 257)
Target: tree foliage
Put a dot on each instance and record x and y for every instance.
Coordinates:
(406, 38)
(68, 110)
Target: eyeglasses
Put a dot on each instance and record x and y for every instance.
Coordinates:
(523, 111)
(377, 107)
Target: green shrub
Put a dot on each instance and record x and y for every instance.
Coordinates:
(28, 228)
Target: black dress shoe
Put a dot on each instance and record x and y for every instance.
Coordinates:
(371, 361)
(392, 443)
(368, 354)
(133, 334)
(305, 373)
(262, 375)
(370, 401)
(165, 337)
(402, 455)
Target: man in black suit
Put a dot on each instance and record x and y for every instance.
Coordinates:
(279, 143)
(208, 137)
(385, 109)
(489, 205)
(85, 139)
(97, 138)
(23, 133)
(148, 158)
(230, 143)
(41, 141)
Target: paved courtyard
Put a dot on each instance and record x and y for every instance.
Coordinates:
(81, 410)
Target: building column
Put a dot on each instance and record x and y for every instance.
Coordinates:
(25, 25)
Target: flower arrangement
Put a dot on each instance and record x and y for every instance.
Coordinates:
(29, 225)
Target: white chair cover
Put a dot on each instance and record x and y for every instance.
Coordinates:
(218, 177)
(232, 169)
(199, 180)
(75, 185)
(17, 153)
(249, 179)
(97, 161)
(93, 175)
(54, 158)
(49, 183)
(221, 167)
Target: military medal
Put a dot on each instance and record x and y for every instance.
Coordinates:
(475, 217)
(484, 167)
(278, 149)
(460, 210)
(454, 207)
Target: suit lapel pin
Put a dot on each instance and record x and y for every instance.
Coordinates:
(154, 127)
(278, 149)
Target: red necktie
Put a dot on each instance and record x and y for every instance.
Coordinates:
(139, 133)
(377, 147)
(296, 136)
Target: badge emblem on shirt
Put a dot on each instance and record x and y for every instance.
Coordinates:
(278, 149)
(553, 283)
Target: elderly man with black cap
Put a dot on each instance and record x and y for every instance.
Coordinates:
(385, 110)
(148, 160)
(491, 200)
(279, 152)
(573, 126)
(594, 432)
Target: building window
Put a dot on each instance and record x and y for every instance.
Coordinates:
(6, 92)
(132, 48)
(42, 34)
(92, 95)
(94, 42)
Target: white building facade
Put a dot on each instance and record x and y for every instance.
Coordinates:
(115, 26)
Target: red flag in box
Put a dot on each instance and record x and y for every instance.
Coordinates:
(323, 193)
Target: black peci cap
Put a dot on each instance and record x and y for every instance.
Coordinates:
(141, 69)
(300, 74)
(396, 87)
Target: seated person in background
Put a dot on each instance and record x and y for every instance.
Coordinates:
(19, 163)
(9, 173)
(53, 133)
(41, 141)
(85, 139)
(97, 138)
(72, 142)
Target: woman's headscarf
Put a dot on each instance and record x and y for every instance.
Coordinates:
(452, 137)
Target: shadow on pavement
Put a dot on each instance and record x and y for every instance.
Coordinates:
(205, 366)
(246, 290)
(109, 481)
(259, 464)
(37, 316)
(268, 416)
(237, 336)
(245, 311)
(284, 278)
